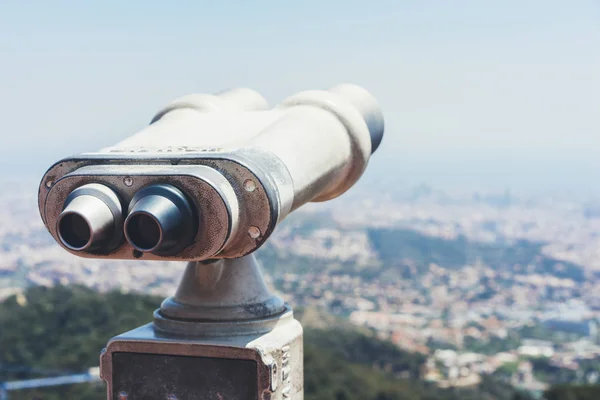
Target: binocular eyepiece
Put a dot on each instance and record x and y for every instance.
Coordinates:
(212, 175)
(159, 219)
(91, 218)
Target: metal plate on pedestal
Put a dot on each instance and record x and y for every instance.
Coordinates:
(138, 376)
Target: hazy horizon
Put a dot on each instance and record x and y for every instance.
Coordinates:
(482, 95)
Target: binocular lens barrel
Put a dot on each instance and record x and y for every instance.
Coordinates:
(144, 231)
(160, 219)
(75, 231)
(91, 215)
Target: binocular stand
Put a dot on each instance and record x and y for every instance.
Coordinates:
(223, 336)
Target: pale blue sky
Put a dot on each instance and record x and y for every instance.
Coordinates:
(473, 91)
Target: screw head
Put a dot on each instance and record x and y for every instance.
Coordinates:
(249, 185)
(128, 181)
(254, 232)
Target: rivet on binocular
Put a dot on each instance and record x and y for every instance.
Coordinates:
(212, 175)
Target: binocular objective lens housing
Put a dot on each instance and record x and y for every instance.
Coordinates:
(160, 220)
(92, 217)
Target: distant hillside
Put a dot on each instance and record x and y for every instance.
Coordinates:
(62, 330)
(405, 253)
(396, 244)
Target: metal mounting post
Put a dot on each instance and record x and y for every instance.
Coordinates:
(218, 291)
(223, 335)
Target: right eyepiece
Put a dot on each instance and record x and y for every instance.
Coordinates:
(161, 220)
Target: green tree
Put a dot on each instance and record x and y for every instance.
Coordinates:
(573, 392)
(63, 329)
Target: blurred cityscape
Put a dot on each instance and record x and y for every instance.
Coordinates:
(482, 283)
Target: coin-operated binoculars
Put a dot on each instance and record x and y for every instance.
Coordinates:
(207, 182)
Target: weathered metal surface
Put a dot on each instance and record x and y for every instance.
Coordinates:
(223, 290)
(313, 147)
(276, 355)
(206, 184)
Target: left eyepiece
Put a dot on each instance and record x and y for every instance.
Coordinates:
(91, 216)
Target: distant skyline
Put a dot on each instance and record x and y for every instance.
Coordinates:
(502, 94)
